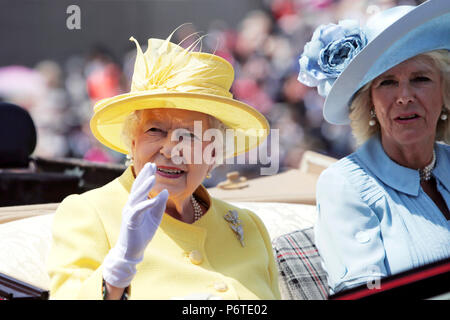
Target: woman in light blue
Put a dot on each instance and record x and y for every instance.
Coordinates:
(385, 208)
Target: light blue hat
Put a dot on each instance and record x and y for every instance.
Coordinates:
(340, 59)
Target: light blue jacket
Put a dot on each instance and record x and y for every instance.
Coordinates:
(375, 220)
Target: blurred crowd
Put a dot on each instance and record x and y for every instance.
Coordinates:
(264, 50)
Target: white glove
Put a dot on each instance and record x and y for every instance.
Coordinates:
(141, 217)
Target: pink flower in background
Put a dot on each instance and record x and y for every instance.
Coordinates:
(21, 85)
(320, 4)
(247, 90)
(97, 155)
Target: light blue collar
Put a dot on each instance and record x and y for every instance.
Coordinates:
(403, 179)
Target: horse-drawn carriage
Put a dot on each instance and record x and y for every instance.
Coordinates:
(31, 188)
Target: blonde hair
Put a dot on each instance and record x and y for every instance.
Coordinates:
(361, 104)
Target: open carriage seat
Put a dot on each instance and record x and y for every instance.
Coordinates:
(25, 238)
(25, 230)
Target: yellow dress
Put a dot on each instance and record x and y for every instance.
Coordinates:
(181, 260)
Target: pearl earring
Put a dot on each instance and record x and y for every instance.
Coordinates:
(129, 162)
(372, 120)
(443, 116)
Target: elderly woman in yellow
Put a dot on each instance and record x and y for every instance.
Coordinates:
(154, 232)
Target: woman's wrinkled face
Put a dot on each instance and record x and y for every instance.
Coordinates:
(408, 101)
(154, 142)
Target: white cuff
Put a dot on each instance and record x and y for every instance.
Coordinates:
(118, 271)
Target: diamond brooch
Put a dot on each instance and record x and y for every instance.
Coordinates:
(234, 222)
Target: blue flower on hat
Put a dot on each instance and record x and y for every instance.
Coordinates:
(330, 50)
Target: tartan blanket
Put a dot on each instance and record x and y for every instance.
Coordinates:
(300, 271)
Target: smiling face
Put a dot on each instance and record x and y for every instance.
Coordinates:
(153, 143)
(408, 101)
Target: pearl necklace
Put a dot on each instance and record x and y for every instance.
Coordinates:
(425, 173)
(197, 209)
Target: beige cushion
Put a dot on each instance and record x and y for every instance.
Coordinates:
(12, 213)
(292, 186)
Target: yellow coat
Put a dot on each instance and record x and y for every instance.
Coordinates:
(182, 259)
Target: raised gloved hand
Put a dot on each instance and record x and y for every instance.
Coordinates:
(141, 217)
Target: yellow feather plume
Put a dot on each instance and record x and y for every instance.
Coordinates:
(168, 67)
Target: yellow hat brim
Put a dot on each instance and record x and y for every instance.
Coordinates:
(109, 115)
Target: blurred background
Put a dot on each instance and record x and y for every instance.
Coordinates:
(57, 69)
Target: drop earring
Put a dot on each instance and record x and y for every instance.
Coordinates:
(129, 161)
(372, 120)
(443, 116)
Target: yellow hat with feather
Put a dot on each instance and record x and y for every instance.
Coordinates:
(169, 76)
